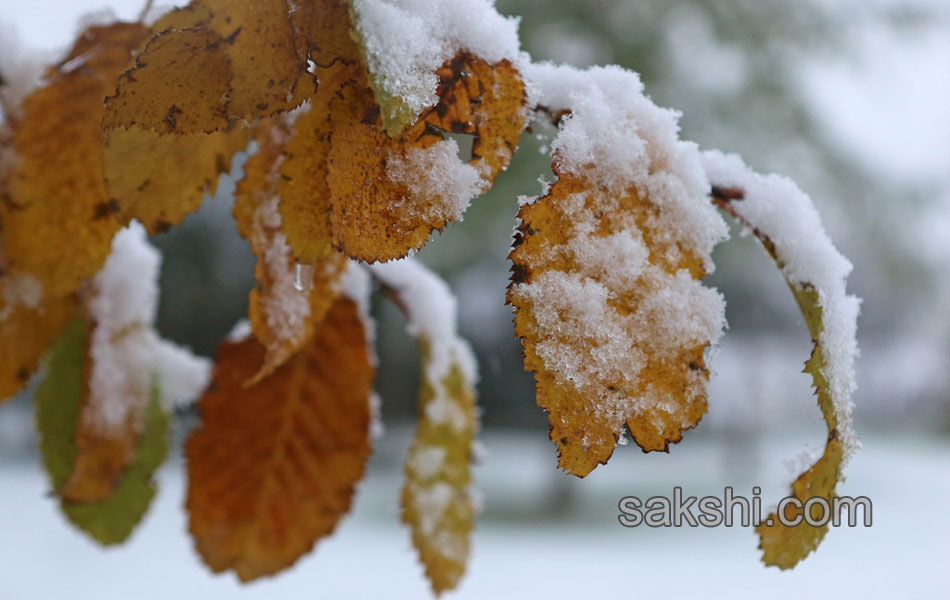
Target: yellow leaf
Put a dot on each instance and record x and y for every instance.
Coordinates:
(603, 351)
(436, 497)
(160, 179)
(273, 466)
(244, 63)
(59, 221)
(282, 317)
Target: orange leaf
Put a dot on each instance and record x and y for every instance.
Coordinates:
(273, 467)
(589, 273)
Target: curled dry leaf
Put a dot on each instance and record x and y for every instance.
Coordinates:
(383, 196)
(245, 62)
(282, 316)
(273, 466)
(785, 221)
(785, 546)
(58, 222)
(611, 316)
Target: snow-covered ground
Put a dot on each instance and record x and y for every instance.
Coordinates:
(527, 544)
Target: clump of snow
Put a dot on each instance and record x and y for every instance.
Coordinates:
(781, 211)
(406, 41)
(431, 310)
(240, 332)
(617, 138)
(126, 351)
(285, 307)
(438, 180)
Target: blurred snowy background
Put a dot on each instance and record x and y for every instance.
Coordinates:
(849, 98)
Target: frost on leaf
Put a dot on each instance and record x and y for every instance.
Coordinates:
(613, 318)
(59, 401)
(58, 221)
(273, 467)
(124, 362)
(244, 63)
(785, 221)
(282, 315)
(437, 500)
(383, 196)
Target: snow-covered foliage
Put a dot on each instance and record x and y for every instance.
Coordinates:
(783, 213)
(126, 352)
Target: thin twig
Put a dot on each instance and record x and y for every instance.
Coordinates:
(145, 10)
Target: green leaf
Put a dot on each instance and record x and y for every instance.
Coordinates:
(58, 405)
(395, 113)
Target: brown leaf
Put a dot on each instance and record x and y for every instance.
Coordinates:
(282, 317)
(58, 222)
(244, 63)
(603, 352)
(272, 468)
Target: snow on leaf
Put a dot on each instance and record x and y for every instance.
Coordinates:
(273, 467)
(282, 316)
(125, 359)
(437, 495)
(57, 222)
(785, 221)
(59, 401)
(245, 63)
(613, 318)
(403, 44)
(388, 194)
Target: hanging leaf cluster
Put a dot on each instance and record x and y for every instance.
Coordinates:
(347, 170)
